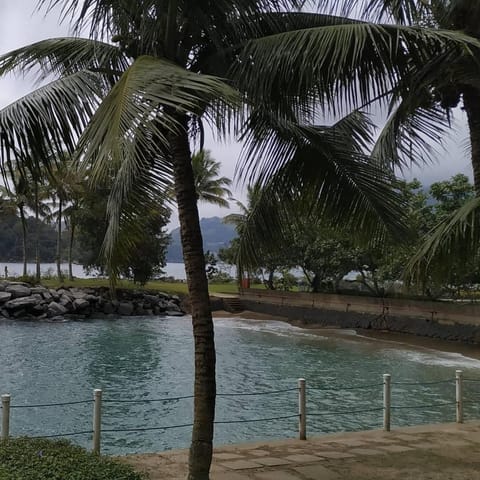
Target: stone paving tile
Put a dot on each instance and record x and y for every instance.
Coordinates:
(426, 445)
(317, 472)
(241, 464)
(272, 461)
(395, 448)
(445, 452)
(407, 438)
(327, 454)
(474, 437)
(276, 475)
(386, 440)
(228, 476)
(349, 443)
(227, 456)
(258, 453)
(295, 450)
(366, 451)
(459, 443)
(302, 458)
(178, 457)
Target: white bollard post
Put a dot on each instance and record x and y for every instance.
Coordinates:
(5, 416)
(387, 399)
(302, 410)
(459, 395)
(97, 420)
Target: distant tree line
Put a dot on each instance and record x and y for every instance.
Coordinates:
(325, 254)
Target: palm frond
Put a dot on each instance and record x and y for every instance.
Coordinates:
(63, 56)
(318, 172)
(410, 134)
(133, 145)
(455, 240)
(145, 101)
(401, 11)
(210, 187)
(52, 118)
(348, 65)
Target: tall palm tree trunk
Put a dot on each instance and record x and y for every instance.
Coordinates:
(37, 233)
(205, 388)
(24, 238)
(59, 240)
(471, 103)
(70, 250)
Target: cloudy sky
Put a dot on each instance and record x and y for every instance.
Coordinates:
(20, 24)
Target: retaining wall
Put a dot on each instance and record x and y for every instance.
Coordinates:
(448, 321)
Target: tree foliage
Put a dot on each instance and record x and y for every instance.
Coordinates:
(128, 98)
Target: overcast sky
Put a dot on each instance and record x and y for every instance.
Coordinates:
(21, 25)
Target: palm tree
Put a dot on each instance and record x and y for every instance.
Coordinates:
(424, 100)
(135, 105)
(423, 107)
(20, 196)
(209, 186)
(65, 190)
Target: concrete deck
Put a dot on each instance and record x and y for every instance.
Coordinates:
(433, 452)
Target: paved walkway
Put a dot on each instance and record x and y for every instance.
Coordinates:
(433, 452)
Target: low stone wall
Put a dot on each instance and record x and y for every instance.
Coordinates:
(20, 300)
(429, 319)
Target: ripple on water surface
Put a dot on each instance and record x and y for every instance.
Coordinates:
(152, 359)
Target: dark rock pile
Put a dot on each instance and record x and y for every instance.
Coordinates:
(22, 301)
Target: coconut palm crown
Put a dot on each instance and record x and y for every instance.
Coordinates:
(126, 100)
(210, 187)
(423, 104)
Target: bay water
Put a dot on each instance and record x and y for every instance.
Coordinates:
(141, 364)
(175, 270)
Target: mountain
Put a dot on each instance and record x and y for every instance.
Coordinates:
(215, 233)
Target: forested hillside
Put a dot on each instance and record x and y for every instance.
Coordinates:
(11, 239)
(215, 233)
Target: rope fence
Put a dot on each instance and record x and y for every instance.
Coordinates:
(301, 416)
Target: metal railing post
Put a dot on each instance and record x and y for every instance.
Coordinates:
(459, 395)
(97, 420)
(5, 416)
(302, 410)
(387, 399)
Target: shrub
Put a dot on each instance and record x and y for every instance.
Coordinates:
(31, 279)
(41, 459)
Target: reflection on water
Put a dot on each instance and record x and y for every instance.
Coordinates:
(152, 359)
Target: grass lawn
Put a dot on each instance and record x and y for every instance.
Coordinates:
(179, 288)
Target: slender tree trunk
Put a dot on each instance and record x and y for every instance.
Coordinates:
(37, 234)
(24, 239)
(70, 250)
(59, 240)
(316, 283)
(270, 284)
(205, 388)
(471, 102)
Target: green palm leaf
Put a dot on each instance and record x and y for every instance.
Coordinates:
(350, 64)
(210, 187)
(133, 147)
(317, 172)
(453, 241)
(49, 119)
(411, 133)
(66, 55)
(323, 165)
(401, 11)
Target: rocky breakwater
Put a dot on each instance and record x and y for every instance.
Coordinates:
(26, 302)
